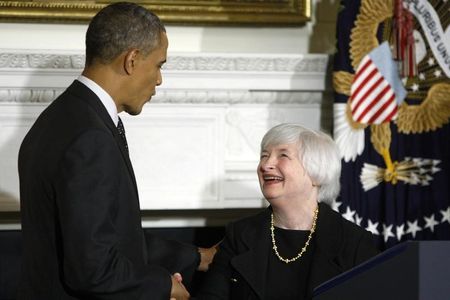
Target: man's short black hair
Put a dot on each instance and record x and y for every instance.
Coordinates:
(119, 27)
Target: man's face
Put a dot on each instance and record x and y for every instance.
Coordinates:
(146, 77)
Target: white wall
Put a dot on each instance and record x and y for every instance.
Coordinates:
(316, 36)
(230, 83)
(181, 38)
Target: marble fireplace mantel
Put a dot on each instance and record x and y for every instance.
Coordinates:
(196, 145)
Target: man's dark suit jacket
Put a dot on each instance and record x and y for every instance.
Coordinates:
(81, 223)
(239, 269)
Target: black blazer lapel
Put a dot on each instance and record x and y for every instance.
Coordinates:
(328, 239)
(84, 93)
(252, 265)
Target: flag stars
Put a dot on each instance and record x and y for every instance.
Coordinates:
(445, 215)
(437, 73)
(372, 227)
(421, 76)
(413, 228)
(387, 232)
(397, 231)
(349, 214)
(358, 220)
(430, 61)
(415, 87)
(430, 222)
(335, 205)
(400, 231)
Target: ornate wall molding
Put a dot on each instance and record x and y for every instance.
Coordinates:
(181, 62)
(223, 102)
(248, 63)
(238, 97)
(39, 95)
(27, 95)
(40, 75)
(9, 60)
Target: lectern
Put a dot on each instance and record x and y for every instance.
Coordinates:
(413, 270)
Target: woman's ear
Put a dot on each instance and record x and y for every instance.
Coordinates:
(130, 61)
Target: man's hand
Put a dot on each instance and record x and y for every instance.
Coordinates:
(178, 291)
(206, 257)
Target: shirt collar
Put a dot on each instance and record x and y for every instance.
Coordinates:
(104, 97)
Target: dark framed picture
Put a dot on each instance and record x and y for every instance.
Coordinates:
(190, 12)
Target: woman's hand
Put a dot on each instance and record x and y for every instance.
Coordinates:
(207, 256)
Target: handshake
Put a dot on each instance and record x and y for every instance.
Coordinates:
(179, 291)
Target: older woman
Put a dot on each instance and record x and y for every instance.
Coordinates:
(299, 241)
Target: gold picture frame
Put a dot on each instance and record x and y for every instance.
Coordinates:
(190, 12)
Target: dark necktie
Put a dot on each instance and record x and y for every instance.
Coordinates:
(121, 130)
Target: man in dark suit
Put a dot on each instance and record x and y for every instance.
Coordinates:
(81, 224)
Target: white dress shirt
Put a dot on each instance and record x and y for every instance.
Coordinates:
(105, 98)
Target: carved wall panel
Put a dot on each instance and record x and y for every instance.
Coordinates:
(196, 146)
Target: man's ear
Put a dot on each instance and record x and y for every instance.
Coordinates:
(130, 60)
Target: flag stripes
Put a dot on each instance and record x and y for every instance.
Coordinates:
(372, 99)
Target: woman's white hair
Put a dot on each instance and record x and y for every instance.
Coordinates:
(318, 154)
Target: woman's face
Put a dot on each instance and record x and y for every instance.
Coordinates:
(281, 175)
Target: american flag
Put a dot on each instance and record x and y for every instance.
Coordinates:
(416, 206)
(377, 90)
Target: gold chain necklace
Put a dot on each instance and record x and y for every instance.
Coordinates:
(274, 245)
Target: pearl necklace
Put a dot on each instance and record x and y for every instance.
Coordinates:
(274, 245)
